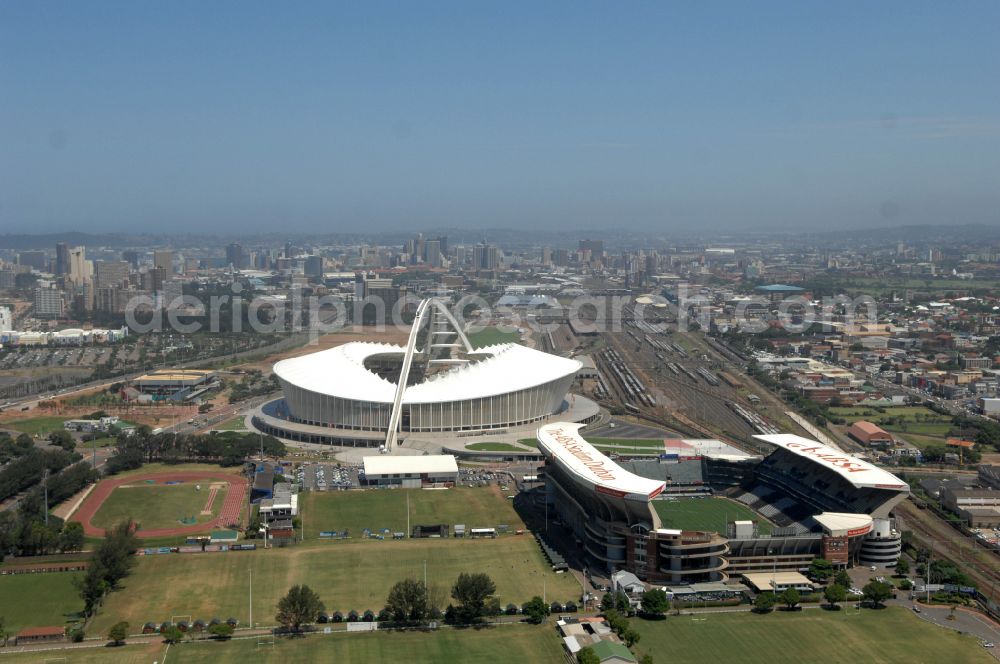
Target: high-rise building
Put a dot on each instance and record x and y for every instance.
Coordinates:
(432, 253)
(34, 259)
(546, 255)
(62, 259)
(80, 269)
(486, 257)
(49, 303)
(131, 257)
(235, 255)
(110, 273)
(313, 267)
(164, 258)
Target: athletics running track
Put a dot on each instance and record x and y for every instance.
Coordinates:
(232, 507)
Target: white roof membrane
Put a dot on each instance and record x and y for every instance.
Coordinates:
(857, 471)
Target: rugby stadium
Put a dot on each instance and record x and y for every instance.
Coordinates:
(808, 501)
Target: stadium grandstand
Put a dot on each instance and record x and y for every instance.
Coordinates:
(817, 502)
(369, 394)
(610, 513)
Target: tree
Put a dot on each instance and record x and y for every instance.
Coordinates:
(221, 630)
(655, 602)
(71, 537)
(118, 633)
(173, 634)
(820, 569)
(536, 609)
(902, 567)
(764, 602)
(876, 592)
(842, 578)
(622, 603)
(301, 605)
(630, 637)
(587, 656)
(607, 601)
(407, 601)
(63, 439)
(472, 591)
(790, 597)
(835, 593)
(646, 659)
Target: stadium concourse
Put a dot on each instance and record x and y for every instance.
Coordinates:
(435, 388)
(817, 501)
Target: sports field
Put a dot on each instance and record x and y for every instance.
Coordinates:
(878, 637)
(347, 576)
(160, 505)
(38, 600)
(37, 425)
(705, 514)
(494, 447)
(491, 336)
(379, 509)
(506, 643)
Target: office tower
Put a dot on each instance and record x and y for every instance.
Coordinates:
(313, 267)
(546, 255)
(486, 257)
(49, 303)
(80, 269)
(235, 256)
(164, 258)
(432, 253)
(110, 273)
(62, 259)
(33, 259)
(131, 257)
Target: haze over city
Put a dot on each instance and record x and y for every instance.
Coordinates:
(240, 117)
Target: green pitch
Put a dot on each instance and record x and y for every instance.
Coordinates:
(38, 600)
(506, 643)
(706, 514)
(157, 505)
(377, 509)
(885, 636)
(491, 336)
(347, 575)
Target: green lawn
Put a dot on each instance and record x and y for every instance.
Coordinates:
(234, 424)
(347, 575)
(378, 509)
(494, 447)
(506, 643)
(38, 600)
(909, 413)
(877, 637)
(491, 336)
(705, 514)
(157, 505)
(37, 425)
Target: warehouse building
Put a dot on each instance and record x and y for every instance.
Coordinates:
(410, 472)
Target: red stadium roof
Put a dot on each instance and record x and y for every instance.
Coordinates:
(857, 471)
(562, 442)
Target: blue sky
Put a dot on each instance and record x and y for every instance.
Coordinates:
(192, 116)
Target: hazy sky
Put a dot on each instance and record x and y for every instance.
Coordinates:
(307, 117)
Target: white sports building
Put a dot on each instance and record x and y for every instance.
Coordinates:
(371, 393)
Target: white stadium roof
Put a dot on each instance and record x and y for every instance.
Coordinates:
(340, 372)
(844, 523)
(562, 441)
(391, 465)
(857, 471)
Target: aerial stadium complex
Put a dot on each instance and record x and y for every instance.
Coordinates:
(816, 501)
(374, 394)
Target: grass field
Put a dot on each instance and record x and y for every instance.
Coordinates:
(507, 643)
(908, 413)
(357, 510)
(234, 424)
(705, 514)
(37, 425)
(38, 600)
(346, 575)
(494, 447)
(877, 637)
(157, 505)
(491, 336)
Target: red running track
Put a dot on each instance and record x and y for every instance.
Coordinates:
(232, 507)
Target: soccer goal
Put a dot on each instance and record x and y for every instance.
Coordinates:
(265, 641)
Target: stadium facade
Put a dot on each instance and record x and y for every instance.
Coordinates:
(818, 501)
(370, 393)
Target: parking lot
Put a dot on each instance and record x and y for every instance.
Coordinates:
(327, 477)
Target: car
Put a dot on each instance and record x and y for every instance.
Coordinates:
(916, 609)
(988, 644)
